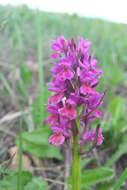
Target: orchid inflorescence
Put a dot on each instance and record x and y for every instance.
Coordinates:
(76, 102)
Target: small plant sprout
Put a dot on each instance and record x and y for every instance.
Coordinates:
(75, 103)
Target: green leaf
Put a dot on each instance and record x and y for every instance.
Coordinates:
(121, 180)
(94, 176)
(9, 182)
(38, 112)
(117, 108)
(86, 161)
(38, 108)
(83, 188)
(25, 74)
(21, 90)
(39, 136)
(36, 142)
(43, 151)
(116, 76)
(105, 186)
(3, 172)
(122, 149)
(37, 184)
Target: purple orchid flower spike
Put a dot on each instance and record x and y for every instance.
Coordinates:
(76, 103)
(75, 78)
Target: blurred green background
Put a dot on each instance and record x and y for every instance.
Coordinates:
(25, 48)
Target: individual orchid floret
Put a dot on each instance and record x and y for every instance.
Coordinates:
(52, 119)
(57, 139)
(60, 46)
(63, 71)
(76, 103)
(68, 110)
(100, 137)
(56, 98)
(90, 136)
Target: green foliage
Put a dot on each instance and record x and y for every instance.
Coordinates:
(3, 172)
(36, 143)
(36, 183)
(105, 186)
(19, 182)
(117, 108)
(86, 161)
(37, 112)
(25, 74)
(9, 182)
(28, 182)
(113, 75)
(122, 149)
(21, 90)
(117, 116)
(121, 180)
(115, 127)
(40, 64)
(94, 176)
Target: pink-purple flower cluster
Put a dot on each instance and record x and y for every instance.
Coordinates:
(75, 97)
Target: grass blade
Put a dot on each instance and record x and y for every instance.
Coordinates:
(19, 182)
(40, 65)
(121, 180)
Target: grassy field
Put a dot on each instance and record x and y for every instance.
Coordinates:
(25, 40)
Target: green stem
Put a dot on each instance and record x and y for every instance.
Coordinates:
(40, 65)
(19, 183)
(76, 165)
(39, 50)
